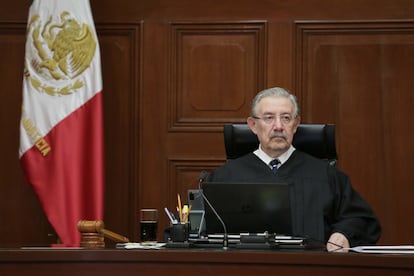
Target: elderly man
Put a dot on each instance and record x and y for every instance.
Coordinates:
(325, 206)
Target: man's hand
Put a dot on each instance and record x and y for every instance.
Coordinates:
(337, 243)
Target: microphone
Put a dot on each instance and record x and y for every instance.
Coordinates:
(202, 178)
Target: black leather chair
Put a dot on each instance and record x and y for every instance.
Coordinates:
(315, 139)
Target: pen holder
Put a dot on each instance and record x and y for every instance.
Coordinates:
(179, 232)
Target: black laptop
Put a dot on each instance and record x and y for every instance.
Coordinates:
(248, 208)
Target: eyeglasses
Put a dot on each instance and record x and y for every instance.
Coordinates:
(270, 119)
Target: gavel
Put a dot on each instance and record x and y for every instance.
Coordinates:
(96, 228)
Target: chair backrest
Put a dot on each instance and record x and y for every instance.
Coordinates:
(315, 139)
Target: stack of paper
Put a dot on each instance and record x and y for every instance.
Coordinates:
(388, 249)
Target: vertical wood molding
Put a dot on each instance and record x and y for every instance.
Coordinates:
(121, 45)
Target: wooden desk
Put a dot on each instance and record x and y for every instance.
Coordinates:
(78, 262)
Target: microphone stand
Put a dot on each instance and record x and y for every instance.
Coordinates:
(202, 177)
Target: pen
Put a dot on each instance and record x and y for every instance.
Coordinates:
(168, 214)
(173, 217)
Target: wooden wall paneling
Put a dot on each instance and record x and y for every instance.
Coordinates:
(281, 50)
(250, 9)
(21, 218)
(216, 69)
(356, 72)
(121, 61)
(153, 123)
(397, 91)
(162, 104)
(184, 175)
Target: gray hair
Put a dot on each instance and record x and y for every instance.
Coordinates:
(274, 92)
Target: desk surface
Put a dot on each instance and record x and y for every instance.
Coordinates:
(202, 261)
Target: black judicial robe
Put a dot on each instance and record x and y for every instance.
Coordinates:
(323, 200)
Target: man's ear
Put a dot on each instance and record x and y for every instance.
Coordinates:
(252, 124)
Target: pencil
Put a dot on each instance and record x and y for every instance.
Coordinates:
(180, 210)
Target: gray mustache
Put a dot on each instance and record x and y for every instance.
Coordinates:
(278, 135)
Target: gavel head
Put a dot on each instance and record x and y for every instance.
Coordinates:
(90, 226)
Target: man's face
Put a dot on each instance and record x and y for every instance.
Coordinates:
(274, 124)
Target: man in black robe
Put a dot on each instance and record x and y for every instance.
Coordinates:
(325, 206)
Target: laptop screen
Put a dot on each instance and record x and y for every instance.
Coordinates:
(248, 207)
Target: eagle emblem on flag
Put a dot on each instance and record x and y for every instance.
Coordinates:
(61, 51)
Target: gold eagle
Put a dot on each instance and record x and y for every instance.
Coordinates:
(70, 47)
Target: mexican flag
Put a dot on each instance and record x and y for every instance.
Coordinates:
(61, 128)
